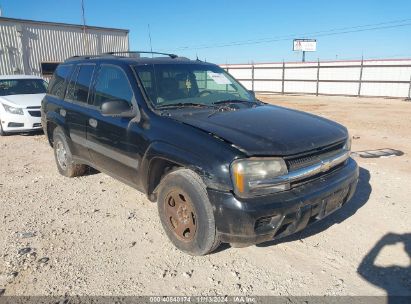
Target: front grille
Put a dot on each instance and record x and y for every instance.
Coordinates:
(313, 157)
(313, 177)
(35, 113)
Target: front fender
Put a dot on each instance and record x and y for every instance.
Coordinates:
(214, 176)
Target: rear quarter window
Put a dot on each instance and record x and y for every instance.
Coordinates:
(58, 83)
(78, 89)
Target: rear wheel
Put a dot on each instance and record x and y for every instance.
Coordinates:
(64, 159)
(186, 213)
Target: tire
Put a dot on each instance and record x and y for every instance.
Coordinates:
(64, 159)
(2, 133)
(189, 224)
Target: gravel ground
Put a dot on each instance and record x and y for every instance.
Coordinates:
(95, 236)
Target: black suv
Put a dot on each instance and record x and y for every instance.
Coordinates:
(222, 165)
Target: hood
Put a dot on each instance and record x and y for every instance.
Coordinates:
(24, 100)
(268, 130)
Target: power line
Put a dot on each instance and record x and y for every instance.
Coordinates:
(289, 38)
(331, 32)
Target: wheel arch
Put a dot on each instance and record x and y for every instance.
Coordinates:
(161, 159)
(52, 122)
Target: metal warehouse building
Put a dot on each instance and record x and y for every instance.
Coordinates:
(36, 47)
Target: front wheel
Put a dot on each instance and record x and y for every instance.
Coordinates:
(2, 133)
(186, 212)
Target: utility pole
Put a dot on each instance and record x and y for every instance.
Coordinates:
(85, 42)
(303, 56)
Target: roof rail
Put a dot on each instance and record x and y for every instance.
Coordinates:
(85, 56)
(141, 52)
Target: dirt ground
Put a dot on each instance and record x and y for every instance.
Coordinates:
(95, 236)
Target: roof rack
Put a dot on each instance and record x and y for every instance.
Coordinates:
(85, 56)
(76, 57)
(141, 52)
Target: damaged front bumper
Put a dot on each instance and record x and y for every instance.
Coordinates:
(260, 219)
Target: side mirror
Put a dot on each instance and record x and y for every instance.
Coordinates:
(117, 108)
(252, 94)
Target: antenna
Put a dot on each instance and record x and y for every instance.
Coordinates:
(149, 36)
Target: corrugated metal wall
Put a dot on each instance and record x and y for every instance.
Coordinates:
(385, 78)
(10, 46)
(24, 45)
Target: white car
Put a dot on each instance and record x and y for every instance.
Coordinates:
(20, 103)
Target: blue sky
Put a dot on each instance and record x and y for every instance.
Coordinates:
(183, 23)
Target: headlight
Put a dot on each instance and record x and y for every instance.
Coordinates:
(347, 146)
(13, 110)
(258, 176)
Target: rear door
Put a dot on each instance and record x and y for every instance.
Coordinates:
(115, 143)
(77, 108)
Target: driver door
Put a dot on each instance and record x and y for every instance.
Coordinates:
(114, 142)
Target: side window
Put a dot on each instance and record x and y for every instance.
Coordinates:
(112, 84)
(71, 84)
(79, 86)
(57, 85)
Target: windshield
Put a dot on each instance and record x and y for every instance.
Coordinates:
(189, 84)
(22, 86)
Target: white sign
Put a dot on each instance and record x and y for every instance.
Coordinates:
(306, 45)
(219, 78)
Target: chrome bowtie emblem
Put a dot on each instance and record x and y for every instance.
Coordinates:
(325, 166)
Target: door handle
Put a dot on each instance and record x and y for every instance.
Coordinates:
(92, 122)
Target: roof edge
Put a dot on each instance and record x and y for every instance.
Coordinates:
(63, 24)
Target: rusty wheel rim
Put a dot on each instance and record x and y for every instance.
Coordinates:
(180, 215)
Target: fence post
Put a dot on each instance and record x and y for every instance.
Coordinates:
(318, 76)
(409, 91)
(252, 77)
(359, 84)
(282, 79)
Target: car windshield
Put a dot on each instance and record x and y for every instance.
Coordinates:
(22, 86)
(168, 85)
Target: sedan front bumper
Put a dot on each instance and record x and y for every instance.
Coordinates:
(29, 121)
(260, 219)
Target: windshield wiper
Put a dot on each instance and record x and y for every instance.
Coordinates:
(183, 104)
(230, 101)
(226, 106)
